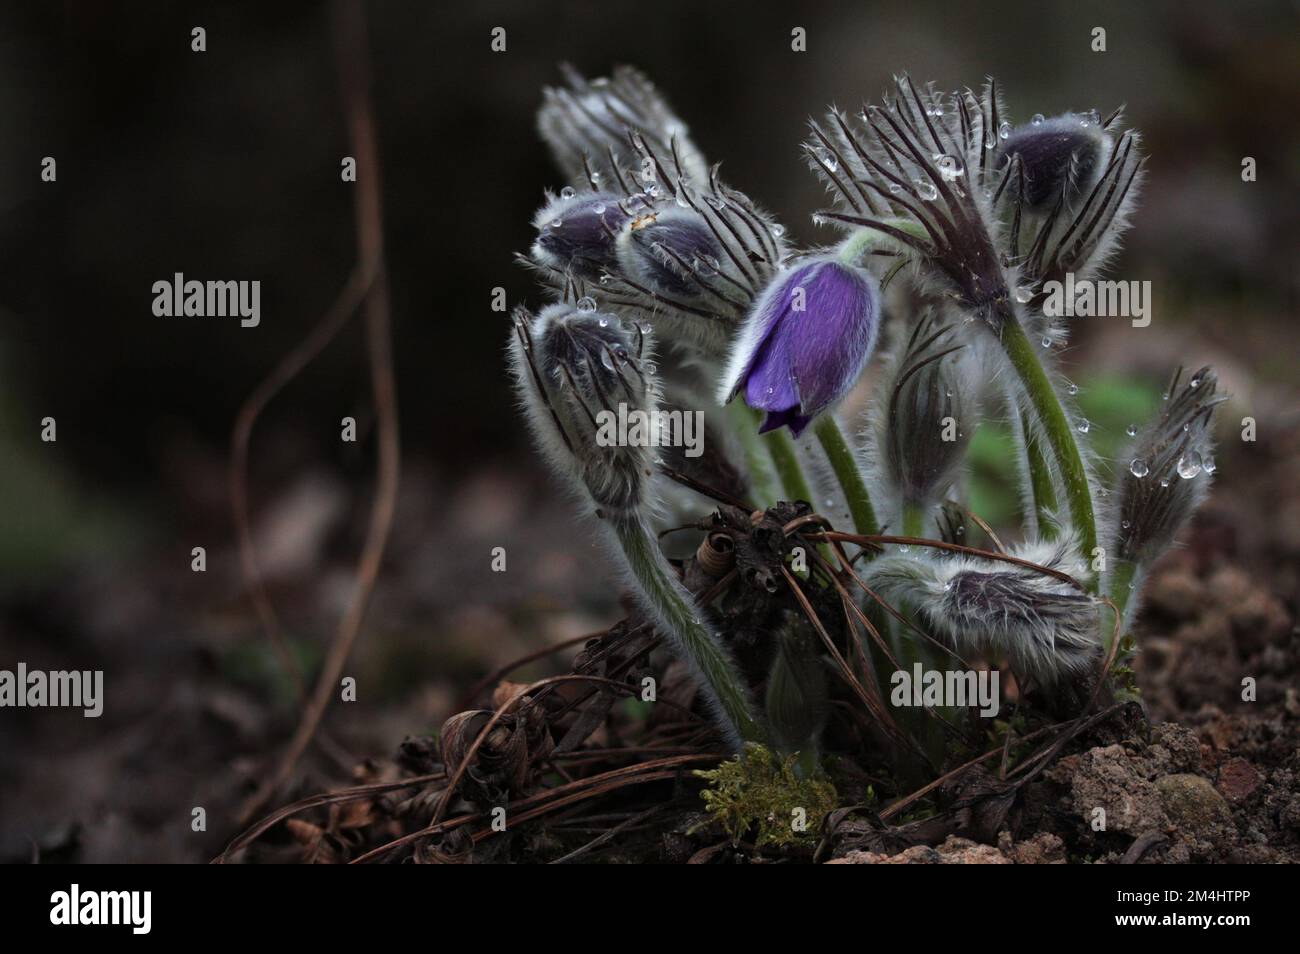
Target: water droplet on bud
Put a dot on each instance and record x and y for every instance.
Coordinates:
(949, 167)
(1189, 465)
(1139, 468)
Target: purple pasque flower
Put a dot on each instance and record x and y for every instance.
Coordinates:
(805, 341)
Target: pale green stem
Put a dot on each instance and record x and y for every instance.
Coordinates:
(913, 520)
(677, 615)
(1056, 427)
(1040, 482)
(763, 486)
(845, 466)
(1123, 581)
(786, 461)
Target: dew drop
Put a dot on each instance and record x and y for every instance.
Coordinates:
(778, 230)
(1125, 524)
(1139, 468)
(1195, 382)
(1209, 466)
(599, 208)
(1164, 481)
(1004, 131)
(604, 322)
(1037, 120)
(1024, 294)
(1084, 426)
(568, 192)
(1073, 388)
(1131, 430)
(928, 191)
(1047, 342)
(1189, 465)
(949, 167)
(556, 223)
(586, 304)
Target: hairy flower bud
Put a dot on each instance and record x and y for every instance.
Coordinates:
(805, 342)
(1166, 472)
(1045, 626)
(577, 232)
(674, 254)
(1064, 154)
(570, 364)
(587, 126)
(925, 431)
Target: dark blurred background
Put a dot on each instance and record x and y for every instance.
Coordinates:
(225, 164)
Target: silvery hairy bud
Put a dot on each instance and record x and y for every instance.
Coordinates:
(573, 368)
(1045, 626)
(577, 232)
(587, 126)
(1166, 472)
(1063, 155)
(928, 419)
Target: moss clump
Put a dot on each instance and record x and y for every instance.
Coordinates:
(760, 791)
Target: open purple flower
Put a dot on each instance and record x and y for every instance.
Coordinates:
(805, 342)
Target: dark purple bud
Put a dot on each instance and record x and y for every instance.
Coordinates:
(805, 342)
(576, 233)
(1062, 153)
(672, 253)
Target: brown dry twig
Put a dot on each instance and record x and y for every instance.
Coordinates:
(353, 65)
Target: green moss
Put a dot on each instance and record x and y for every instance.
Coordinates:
(763, 793)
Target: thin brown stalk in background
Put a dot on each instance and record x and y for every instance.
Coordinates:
(354, 76)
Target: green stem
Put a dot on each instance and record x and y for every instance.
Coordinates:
(845, 466)
(1123, 580)
(677, 615)
(763, 486)
(786, 461)
(913, 520)
(1056, 426)
(1040, 482)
